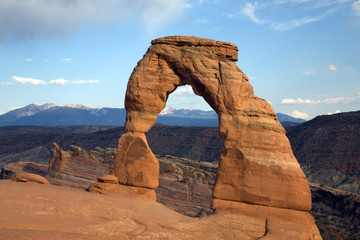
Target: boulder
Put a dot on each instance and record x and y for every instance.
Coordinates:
(30, 177)
(10, 170)
(108, 179)
(123, 191)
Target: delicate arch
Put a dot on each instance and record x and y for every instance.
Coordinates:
(256, 165)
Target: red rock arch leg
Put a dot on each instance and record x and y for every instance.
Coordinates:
(256, 166)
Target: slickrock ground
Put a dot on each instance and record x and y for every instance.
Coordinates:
(186, 187)
(36, 211)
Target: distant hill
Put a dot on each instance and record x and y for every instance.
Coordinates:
(77, 114)
(289, 121)
(328, 149)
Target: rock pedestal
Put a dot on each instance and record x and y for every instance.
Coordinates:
(257, 165)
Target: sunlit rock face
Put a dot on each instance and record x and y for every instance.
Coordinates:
(257, 165)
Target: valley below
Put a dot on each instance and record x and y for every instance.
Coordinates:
(326, 148)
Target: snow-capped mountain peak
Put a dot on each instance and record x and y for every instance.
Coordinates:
(79, 106)
(47, 106)
(167, 110)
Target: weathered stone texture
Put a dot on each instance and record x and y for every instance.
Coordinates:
(136, 165)
(77, 167)
(257, 165)
(30, 177)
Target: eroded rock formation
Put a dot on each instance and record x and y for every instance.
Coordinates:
(30, 177)
(77, 167)
(257, 166)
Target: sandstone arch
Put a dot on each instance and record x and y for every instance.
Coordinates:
(257, 165)
(258, 174)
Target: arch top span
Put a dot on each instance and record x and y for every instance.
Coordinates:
(257, 165)
(207, 65)
(222, 49)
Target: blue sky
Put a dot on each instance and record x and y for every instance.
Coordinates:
(303, 56)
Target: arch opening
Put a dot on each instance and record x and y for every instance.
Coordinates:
(187, 148)
(248, 125)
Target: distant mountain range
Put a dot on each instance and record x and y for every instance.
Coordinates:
(76, 114)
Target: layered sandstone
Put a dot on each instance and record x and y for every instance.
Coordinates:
(77, 167)
(30, 177)
(257, 165)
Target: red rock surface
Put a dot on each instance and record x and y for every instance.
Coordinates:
(108, 179)
(257, 165)
(136, 165)
(10, 170)
(30, 177)
(122, 190)
(77, 167)
(34, 211)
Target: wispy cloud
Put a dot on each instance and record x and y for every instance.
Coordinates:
(307, 73)
(299, 101)
(264, 12)
(298, 114)
(29, 59)
(288, 25)
(350, 99)
(356, 7)
(332, 67)
(55, 82)
(66, 59)
(60, 82)
(85, 82)
(28, 19)
(184, 90)
(249, 11)
(23, 81)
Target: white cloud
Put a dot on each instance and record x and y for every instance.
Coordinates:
(59, 81)
(297, 114)
(30, 81)
(66, 59)
(337, 111)
(356, 7)
(21, 19)
(29, 59)
(269, 10)
(350, 99)
(183, 90)
(285, 26)
(85, 82)
(56, 82)
(249, 11)
(299, 101)
(332, 67)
